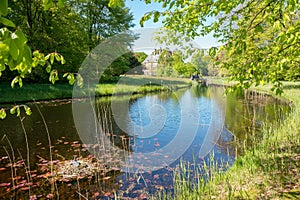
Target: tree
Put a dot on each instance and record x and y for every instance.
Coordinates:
(171, 64)
(138, 58)
(182, 68)
(120, 66)
(42, 25)
(46, 31)
(103, 20)
(87, 22)
(141, 56)
(212, 69)
(165, 64)
(200, 62)
(261, 38)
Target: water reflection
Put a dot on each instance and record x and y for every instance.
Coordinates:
(121, 136)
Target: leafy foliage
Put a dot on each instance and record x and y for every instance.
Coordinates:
(172, 64)
(17, 110)
(182, 68)
(71, 28)
(16, 54)
(44, 25)
(165, 62)
(261, 38)
(120, 66)
(200, 62)
(141, 56)
(103, 18)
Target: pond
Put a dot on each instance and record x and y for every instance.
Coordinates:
(130, 145)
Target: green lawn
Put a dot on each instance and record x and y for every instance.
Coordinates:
(134, 84)
(31, 92)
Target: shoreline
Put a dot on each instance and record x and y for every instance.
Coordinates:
(64, 91)
(270, 169)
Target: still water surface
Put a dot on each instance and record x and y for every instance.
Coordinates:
(149, 124)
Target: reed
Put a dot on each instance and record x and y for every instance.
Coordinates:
(268, 169)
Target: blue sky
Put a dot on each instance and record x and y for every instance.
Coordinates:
(139, 8)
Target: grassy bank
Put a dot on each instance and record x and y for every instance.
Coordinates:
(134, 84)
(270, 169)
(141, 84)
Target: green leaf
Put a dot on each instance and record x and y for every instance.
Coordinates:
(115, 3)
(2, 113)
(14, 81)
(37, 53)
(286, 17)
(13, 110)
(27, 54)
(18, 111)
(79, 80)
(258, 28)
(14, 50)
(3, 7)
(7, 22)
(27, 110)
(53, 76)
(291, 39)
(71, 78)
(21, 38)
(243, 46)
(52, 58)
(3, 47)
(213, 51)
(276, 25)
(142, 21)
(47, 56)
(20, 82)
(48, 4)
(61, 3)
(156, 16)
(63, 61)
(145, 18)
(48, 68)
(171, 4)
(57, 57)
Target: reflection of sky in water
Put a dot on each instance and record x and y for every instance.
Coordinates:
(139, 113)
(239, 116)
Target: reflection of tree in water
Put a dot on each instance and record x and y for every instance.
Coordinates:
(245, 115)
(220, 136)
(200, 91)
(108, 125)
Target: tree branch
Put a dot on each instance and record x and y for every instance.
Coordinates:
(257, 14)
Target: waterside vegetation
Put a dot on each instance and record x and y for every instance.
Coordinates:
(269, 169)
(138, 84)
